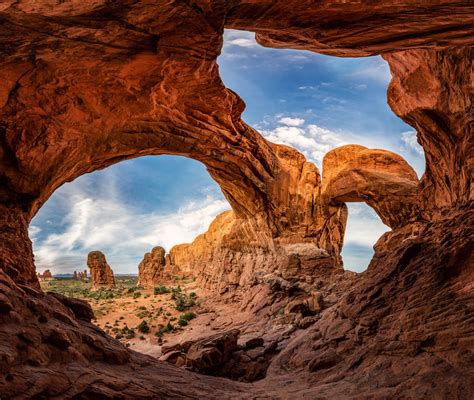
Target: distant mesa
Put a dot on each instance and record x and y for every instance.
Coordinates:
(101, 274)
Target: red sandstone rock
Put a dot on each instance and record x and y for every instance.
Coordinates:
(102, 275)
(382, 179)
(151, 268)
(47, 275)
(87, 84)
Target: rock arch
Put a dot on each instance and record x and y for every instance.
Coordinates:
(87, 84)
(381, 178)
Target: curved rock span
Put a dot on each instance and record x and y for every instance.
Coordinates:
(101, 274)
(234, 251)
(84, 85)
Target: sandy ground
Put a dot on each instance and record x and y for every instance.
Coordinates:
(127, 310)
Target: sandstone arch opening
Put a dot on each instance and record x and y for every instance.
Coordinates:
(316, 103)
(87, 85)
(124, 211)
(363, 229)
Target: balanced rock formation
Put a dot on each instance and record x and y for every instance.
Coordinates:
(87, 84)
(101, 274)
(151, 268)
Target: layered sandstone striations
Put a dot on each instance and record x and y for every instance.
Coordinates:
(151, 268)
(88, 84)
(101, 274)
(432, 91)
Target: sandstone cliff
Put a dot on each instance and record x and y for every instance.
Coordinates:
(234, 251)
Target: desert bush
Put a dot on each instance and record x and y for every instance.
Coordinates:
(165, 329)
(143, 327)
(185, 318)
(182, 300)
(160, 290)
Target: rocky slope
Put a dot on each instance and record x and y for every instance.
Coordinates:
(88, 84)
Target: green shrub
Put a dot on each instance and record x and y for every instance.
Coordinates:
(160, 290)
(185, 318)
(143, 327)
(182, 300)
(165, 329)
(143, 314)
(127, 332)
(136, 295)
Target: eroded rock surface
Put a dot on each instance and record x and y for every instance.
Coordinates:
(101, 274)
(88, 84)
(151, 268)
(381, 178)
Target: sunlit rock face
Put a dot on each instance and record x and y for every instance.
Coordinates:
(380, 178)
(87, 84)
(101, 274)
(151, 268)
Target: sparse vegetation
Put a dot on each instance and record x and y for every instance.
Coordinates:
(143, 327)
(182, 300)
(185, 318)
(149, 311)
(165, 329)
(160, 290)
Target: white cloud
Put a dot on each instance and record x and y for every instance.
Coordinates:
(242, 42)
(291, 121)
(410, 142)
(312, 140)
(124, 234)
(235, 38)
(361, 86)
(364, 226)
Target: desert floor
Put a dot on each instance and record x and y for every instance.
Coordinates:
(142, 319)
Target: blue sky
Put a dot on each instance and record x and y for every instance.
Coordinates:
(306, 100)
